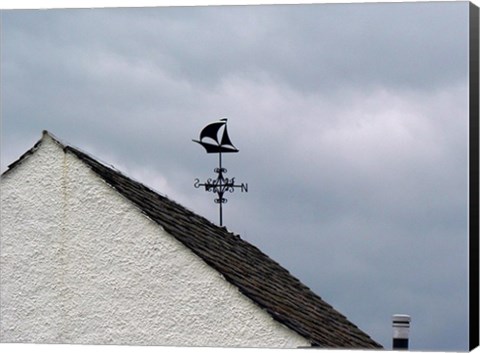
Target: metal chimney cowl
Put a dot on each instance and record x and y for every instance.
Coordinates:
(401, 331)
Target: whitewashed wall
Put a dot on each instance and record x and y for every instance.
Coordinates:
(81, 264)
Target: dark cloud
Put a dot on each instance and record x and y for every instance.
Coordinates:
(304, 46)
(351, 121)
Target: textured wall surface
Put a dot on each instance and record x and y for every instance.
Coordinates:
(81, 264)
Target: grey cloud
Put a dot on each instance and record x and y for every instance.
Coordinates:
(305, 47)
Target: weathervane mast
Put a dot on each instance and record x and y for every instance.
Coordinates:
(214, 138)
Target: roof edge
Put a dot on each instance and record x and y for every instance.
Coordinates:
(48, 134)
(29, 152)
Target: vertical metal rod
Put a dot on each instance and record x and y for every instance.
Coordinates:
(220, 195)
(221, 215)
(220, 159)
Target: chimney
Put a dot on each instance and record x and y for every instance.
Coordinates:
(401, 329)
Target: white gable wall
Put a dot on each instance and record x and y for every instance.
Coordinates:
(81, 264)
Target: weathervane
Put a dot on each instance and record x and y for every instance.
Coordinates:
(214, 137)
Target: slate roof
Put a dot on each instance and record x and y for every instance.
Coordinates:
(256, 275)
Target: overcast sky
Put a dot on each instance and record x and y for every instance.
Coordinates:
(351, 121)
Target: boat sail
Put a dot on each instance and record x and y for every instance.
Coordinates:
(209, 138)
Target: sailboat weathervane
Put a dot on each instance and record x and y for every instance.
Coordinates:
(214, 138)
